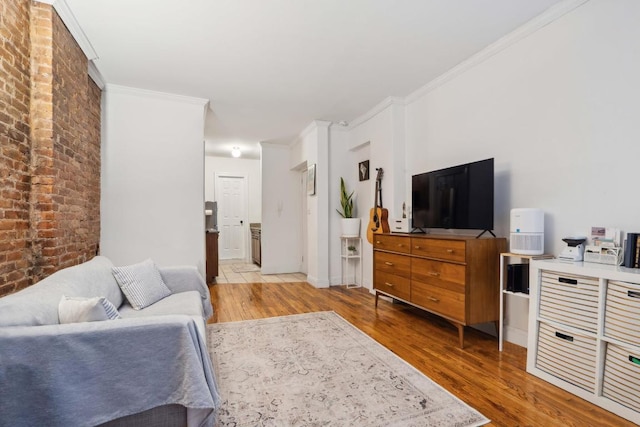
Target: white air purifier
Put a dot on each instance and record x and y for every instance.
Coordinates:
(527, 231)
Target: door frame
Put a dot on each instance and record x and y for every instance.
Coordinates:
(246, 235)
(304, 220)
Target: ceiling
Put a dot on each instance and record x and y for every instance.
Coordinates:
(270, 67)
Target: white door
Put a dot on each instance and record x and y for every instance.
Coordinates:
(232, 216)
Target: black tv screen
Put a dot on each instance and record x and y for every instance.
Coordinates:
(459, 197)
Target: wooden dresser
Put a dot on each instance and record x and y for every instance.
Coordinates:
(455, 277)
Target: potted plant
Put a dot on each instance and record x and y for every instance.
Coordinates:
(350, 225)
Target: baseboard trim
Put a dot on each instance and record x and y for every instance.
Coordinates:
(516, 336)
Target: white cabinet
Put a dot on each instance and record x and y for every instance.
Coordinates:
(584, 332)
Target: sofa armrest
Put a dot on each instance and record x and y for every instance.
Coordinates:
(188, 278)
(98, 371)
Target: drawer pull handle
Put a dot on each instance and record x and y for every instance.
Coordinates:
(378, 242)
(449, 251)
(564, 337)
(568, 281)
(400, 245)
(389, 263)
(389, 284)
(634, 359)
(633, 294)
(434, 299)
(417, 247)
(434, 274)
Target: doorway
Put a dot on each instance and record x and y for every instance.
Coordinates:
(231, 195)
(303, 222)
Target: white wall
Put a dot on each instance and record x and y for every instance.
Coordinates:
(152, 199)
(342, 163)
(245, 167)
(312, 147)
(281, 211)
(558, 111)
(378, 136)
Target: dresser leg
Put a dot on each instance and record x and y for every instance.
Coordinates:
(376, 299)
(461, 335)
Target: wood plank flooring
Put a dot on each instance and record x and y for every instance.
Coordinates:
(494, 383)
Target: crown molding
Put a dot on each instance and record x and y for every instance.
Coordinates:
(359, 145)
(126, 90)
(96, 76)
(386, 103)
(69, 19)
(315, 124)
(547, 17)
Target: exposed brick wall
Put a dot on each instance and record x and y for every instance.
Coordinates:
(59, 224)
(15, 145)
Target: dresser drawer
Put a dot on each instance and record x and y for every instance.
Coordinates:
(400, 265)
(569, 299)
(450, 250)
(622, 313)
(394, 285)
(445, 302)
(568, 356)
(388, 242)
(442, 274)
(621, 381)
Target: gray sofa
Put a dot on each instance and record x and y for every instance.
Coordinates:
(150, 367)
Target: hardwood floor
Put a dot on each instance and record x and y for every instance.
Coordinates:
(494, 383)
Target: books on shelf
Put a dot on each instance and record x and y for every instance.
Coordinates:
(632, 251)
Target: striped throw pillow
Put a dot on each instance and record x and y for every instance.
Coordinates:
(141, 283)
(74, 310)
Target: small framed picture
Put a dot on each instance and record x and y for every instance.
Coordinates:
(311, 180)
(363, 170)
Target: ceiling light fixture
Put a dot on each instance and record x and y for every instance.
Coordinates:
(235, 152)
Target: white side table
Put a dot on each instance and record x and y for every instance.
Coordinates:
(503, 287)
(351, 259)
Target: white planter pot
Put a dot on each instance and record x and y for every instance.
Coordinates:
(350, 227)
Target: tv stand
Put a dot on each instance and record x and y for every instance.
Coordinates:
(453, 277)
(485, 231)
(418, 230)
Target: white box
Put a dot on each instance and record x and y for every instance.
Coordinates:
(400, 225)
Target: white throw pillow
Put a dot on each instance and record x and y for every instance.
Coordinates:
(141, 283)
(74, 310)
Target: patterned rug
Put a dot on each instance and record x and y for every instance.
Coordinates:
(317, 369)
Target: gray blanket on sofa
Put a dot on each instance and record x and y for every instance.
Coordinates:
(109, 375)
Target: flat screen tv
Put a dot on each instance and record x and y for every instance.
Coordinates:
(459, 197)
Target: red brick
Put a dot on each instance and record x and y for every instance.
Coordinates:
(49, 147)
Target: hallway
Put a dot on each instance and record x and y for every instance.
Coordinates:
(237, 271)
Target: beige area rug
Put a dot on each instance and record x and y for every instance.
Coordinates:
(317, 369)
(244, 268)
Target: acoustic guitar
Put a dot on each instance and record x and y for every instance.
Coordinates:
(379, 216)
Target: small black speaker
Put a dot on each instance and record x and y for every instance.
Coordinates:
(518, 278)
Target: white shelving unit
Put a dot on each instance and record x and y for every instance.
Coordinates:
(584, 333)
(504, 257)
(351, 260)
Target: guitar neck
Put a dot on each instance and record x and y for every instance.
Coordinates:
(375, 204)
